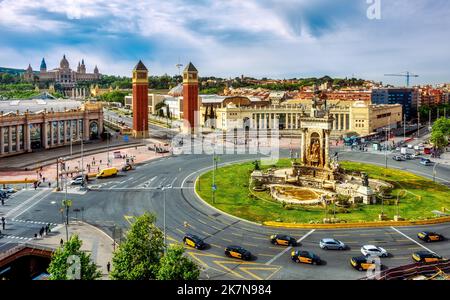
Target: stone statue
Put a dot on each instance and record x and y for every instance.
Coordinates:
(365, 179)
(314, 152)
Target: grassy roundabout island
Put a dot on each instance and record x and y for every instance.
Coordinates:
(423, 196)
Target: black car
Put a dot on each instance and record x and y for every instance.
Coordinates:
(238, 252)
(362, 263)
(194, 241)
(306, 257)
(282, 239)
(426, 257)
(429, 236)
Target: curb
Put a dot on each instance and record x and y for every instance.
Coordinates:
(321, 226)
(358, 225)
(215, 208)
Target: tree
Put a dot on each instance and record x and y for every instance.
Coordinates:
(175, 266)
(439, 139)
(137, 258)
(67, 257)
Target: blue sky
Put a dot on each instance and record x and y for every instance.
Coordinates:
(260, 38)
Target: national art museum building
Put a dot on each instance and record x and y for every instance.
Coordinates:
(36, 124)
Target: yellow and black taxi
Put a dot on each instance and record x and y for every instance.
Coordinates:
(362, 263)
(238, 252)
(306, 257)
(194, 241)
(426, 257)
(429, 236)
(283, 240)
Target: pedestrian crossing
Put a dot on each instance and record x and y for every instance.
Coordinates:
(34, 222)
(14, 237)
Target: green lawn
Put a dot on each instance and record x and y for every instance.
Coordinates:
(233, 196)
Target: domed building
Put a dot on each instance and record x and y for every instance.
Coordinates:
(64, 75)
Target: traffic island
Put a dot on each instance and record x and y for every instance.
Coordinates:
(416, 199)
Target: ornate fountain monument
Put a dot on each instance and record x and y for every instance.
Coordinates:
(315, 178)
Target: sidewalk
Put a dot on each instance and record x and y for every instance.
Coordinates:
(34, 160)
(96, 161)
(95, 241)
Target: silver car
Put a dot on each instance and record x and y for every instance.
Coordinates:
(331, 244)
(371, 250)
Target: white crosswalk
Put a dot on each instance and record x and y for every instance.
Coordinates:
(13, 237)
(34, 222)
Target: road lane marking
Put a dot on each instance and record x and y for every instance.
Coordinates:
(31, 206)
(226, 240)
(412, 240)
(251, 245)
(289, 248)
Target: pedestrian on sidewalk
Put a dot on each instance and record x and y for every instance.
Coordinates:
(3, 223)
(108, 266)
(98, 169)
(43, 179)
(3, 201)
(61, 242)
(49, 184)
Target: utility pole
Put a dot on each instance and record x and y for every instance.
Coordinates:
(214, 178)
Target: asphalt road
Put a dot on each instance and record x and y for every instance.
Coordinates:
(115, 202)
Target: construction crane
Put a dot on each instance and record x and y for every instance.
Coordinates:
(407, 74)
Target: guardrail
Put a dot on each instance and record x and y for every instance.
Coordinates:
(359, 225)
(411, 270)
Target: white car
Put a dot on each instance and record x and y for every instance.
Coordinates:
(9, 190)
(77, 181)
(371, 250)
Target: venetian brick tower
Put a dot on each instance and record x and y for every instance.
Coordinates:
(190, 99)
(140, 101)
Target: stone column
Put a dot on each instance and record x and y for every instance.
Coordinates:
(27, 137)
(10, 139)
(77, 130)
(336, 121)
(52, 132)
(58, 133)
(259, 121)
(45, 130)
(86, 129)
(65, 131)
(2, 140)
(302, 146)
(327, 148)
(17, 138)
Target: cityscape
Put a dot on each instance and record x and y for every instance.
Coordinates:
(147, 159)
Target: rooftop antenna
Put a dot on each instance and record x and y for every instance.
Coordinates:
(179, 66)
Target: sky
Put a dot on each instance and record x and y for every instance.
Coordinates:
(227, 38)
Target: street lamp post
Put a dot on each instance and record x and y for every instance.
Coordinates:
(434, 172)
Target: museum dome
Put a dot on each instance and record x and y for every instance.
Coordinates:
(64, 64)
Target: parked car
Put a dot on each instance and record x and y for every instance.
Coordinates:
(331, 244)
(371, 250)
